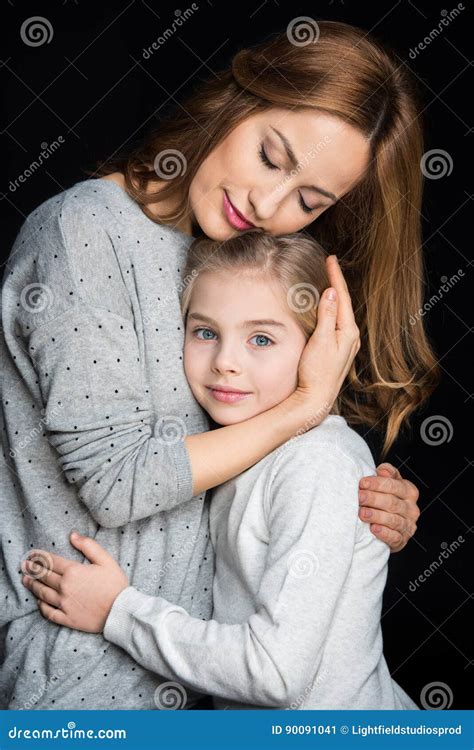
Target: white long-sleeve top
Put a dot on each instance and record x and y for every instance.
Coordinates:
(297, 589)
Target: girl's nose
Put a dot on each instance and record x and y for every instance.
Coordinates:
(226, 361)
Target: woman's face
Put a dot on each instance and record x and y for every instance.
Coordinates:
(227, 343)
(252, 172)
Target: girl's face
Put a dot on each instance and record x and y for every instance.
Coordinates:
(252, 171)
(240, 334)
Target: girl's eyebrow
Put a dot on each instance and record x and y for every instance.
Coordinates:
(246, 324)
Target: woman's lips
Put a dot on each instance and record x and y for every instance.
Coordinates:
(227, 397)
(233, 217)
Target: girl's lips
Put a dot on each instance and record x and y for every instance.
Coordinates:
(233, 217)
(227, 397)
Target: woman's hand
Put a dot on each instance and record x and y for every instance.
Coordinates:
(389, 503)
(331, 348)
(71, 593)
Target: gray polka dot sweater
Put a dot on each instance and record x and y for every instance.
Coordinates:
(95, 404)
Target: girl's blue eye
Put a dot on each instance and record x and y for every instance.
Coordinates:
(203, 330)
(261, 336)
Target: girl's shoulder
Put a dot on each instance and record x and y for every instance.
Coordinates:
(333, 442)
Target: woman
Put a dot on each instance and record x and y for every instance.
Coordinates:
(93, 335)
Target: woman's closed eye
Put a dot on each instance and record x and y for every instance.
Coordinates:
(260, 336)
(264, 158)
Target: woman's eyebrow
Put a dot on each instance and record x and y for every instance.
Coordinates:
(246, 324)
(294, 161)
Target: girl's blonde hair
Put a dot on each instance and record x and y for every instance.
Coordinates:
(375, 229)
(296, 262)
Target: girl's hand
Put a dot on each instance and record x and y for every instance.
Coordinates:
(389, 503)
(70, 593)
(331, 348)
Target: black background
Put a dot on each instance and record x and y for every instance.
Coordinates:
(91, 85)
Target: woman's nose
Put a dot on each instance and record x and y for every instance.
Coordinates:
(265, 201)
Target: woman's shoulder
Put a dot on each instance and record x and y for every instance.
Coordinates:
(65, 246)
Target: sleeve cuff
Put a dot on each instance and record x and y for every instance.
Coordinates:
(119, 624)
(184, 476)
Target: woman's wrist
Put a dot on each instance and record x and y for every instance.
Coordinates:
(306, 412)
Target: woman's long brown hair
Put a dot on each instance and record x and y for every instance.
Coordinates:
(375, 230)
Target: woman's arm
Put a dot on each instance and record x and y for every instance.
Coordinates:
(98, 415)
(272, 657)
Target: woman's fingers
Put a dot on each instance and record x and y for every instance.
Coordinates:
(394, 539)
(392, 521)
(327, 315)
(45, 593)
(392, 471)
(345, 313)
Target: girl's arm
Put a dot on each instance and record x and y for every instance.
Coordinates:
(272, 657)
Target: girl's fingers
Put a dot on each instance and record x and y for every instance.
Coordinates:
(49, 561)
(51, 613)
(44, 575)
(41, 591)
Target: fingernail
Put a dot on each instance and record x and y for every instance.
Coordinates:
(362, 497)
(366, 512)
(376, 528)
(364, 483)
(331, 295)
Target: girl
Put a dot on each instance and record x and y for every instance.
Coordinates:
(299, 578)
(93, 389)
